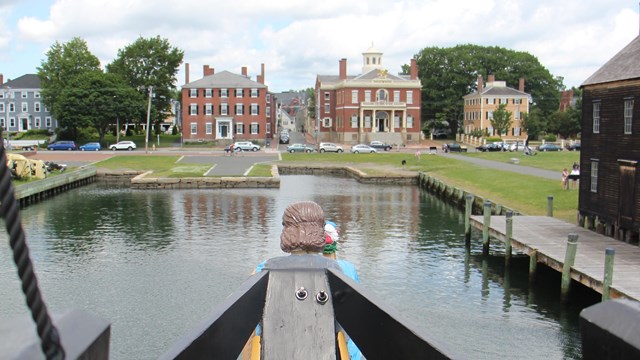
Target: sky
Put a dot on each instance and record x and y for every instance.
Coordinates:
(300, 39)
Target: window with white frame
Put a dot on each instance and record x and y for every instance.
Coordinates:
(409, 97)
(2, 122)
(239, 109)
(367, 121)
(326, 122)
(194, 128)
(208, 109)
(381, 95)
(193, 109)
(36, 107)
(37, 121)
(254, 93)
(491, 101)
(224, 109)
(12, 122)
(47, 121)
(268, 111)
(36, 94)
(594, 175)
(596, 117)
(396, 95)
(193, 93)
(208, 128)
(268, 98)
(239, 128)
(24, 94)
(409, 121)
(254, 109)
(504, 101)
(517, 101)
(254, 128)
(2, 107)
(489, 115)
(239, 93)
(327, 96)
(396, 121)
(354, 96)
(327, 108)
(628, 115)
(12, 107)
(354, 121)
(25, 107)
(208, 93)
(224, 93)
(367, 95)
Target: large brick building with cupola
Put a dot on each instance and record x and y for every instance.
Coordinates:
(227, 107)
(374, 105)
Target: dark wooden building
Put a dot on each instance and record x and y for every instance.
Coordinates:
(609, 179)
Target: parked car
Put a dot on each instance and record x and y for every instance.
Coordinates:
(330, 147)
(454, 147)
(284, 137)
(490, 147)
(245, 146)
(299, 148)
(573, 147)
(516, 146)
(92, 146)
(123, 145)
(380, 145)
(62, 145)
(363, 148)
(441, 133)
(549, 147)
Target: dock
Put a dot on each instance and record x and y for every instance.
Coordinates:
(546, 238)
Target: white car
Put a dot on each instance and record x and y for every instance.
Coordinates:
(362, 148)
(123, 145)
(245, 146)
(331, 147)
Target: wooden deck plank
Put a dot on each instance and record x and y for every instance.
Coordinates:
(549, 237)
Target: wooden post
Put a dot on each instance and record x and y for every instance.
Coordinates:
(468, 199)
(485, 227)
(509, 233)
(609, 254)
(569, 258)
(550, 206)
(533, 265)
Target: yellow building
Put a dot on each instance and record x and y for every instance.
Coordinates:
(480, 105)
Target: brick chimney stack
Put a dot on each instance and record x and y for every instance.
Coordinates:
(244, 71)
(491, 78)
(206, 70)
(521, 85)
(480, 85)
(343, 69)
(414, 69)
(186, 73)
(261, 74)
(1, 79)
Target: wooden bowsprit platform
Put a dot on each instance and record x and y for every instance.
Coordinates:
(546, 237)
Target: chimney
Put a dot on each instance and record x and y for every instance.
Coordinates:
(343, 69)
(414, 69)
(480, 84)
(491, 78)
(1, 79)
(206, 70)
(186, 73)
(261, 81)
(521, 85)
(244, 71)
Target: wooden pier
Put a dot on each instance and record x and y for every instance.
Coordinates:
(545, 238)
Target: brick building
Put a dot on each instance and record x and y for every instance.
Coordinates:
(480, 105)
(374, 105)
(226, 107)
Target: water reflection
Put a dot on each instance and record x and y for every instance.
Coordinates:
(162, 260)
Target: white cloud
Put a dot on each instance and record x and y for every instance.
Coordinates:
(296, 40)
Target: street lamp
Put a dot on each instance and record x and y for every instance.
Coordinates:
(146, 138)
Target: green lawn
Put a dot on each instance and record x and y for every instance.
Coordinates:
(555, 160)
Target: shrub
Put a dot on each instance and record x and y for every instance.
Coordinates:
(550, 138)
(493, 139)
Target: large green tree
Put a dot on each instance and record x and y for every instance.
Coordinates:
(534, 123)
(311, 102)
(447, 74)
(63, 63)
(501, 120)
(97, 99)
(151, 62)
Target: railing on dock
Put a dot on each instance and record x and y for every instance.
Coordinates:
(37, 190)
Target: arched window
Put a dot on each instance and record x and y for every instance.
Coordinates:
(374, 61)
(381, 95)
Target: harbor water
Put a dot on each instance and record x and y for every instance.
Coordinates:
(155, 263)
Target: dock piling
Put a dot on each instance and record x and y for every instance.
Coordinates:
(569, 259)
(608, 272)
(533, 265)
(468, 199)
(508, 235)
(550, 206)
(485, 227)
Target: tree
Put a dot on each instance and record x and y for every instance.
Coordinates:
(97, 99)
(63, 64)
(150, 62)
(501, 121)
(311, 102)
(534, 123)
(565, 123)
(447, 74)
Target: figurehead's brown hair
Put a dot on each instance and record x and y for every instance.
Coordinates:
(303, 228)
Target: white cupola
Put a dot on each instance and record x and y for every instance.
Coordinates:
(371, 60)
